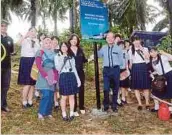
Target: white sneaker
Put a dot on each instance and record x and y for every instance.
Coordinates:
(82, 111)
(40, 117)
(76, 114)
(50, 116)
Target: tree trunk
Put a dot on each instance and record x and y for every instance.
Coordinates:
(55, 25)
(33, 13)
(75, 13)
(3, 12)
(110, 19)
(169, 8)
(71, 20)
(43, 19)
(72, 17)
(131, 30)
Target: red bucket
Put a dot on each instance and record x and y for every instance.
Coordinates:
(164, 112)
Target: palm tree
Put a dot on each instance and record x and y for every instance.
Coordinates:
(7, 6)
(57, 10)
(43, 6)
(167, 5)
(130, 14)
(164, 23)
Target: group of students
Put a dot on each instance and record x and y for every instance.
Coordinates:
(60, 70)
(127, 64)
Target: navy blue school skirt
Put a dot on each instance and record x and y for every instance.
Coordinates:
(25, 70)
(68, 84)
(168, 93)
(140, 77)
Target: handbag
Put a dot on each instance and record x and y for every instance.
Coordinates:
(34, 70)
(124, 75)
(159, 83)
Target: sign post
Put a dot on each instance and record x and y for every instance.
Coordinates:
(94, 27)
(96, 67)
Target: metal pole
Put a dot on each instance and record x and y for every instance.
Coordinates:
(96, 66)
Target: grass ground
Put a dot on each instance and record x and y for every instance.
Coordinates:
(128, 120)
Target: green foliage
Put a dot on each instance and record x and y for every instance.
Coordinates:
(46, 31)
(166, 44)
(89, 67)
(119, 29)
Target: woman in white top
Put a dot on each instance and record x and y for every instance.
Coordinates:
(140, 80)
(156, 64)
(69, 81)
(29, 46)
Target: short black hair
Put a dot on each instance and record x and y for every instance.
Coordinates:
(134, 38)
(40, 34)
(152, 48)
(118, 35)
(55, 37)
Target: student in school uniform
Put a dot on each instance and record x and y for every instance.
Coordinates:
(124, 73)
(140, 80)
(69, 81)
(112, 61)
(29, 46)
(156, 64)
(47, 78)
(80, 60)
(56, 49)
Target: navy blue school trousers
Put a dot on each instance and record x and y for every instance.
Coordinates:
(111, 75)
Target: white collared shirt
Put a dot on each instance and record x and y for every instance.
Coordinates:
(136, 58)
(26, 48)
(165, 63)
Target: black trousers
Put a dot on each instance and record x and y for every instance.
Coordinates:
(81, 75)
(5, 84)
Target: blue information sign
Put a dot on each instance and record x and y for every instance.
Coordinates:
(93, 19)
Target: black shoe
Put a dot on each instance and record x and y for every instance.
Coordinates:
(124, 102)
(106, 109)
(65, 118)
(139, 108)
(37, 97)
(56, 108)
(30, 105)
(115, 110)
(153, 110)
(120, 104)
(71, 118)
(5, 109)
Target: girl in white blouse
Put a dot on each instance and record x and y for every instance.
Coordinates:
(156, 64)
(29, 46)
(69, 81)
(140, 80)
